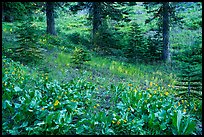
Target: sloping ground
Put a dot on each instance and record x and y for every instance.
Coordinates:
(115, 86)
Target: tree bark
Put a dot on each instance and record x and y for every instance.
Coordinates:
(166, 53)
(96, 21)
(50, 18)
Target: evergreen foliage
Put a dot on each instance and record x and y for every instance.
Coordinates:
(80, 56)
(155, 47)
(137, 48)
(28, 51)
(190, 70)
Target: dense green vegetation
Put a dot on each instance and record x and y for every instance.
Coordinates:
(107, 79)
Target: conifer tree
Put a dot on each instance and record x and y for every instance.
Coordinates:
(190, 70)
(137, 49)
(27, 37)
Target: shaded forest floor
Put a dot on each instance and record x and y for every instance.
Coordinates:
(106, 74)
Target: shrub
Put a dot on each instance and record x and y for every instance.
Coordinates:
(80, 56)
(28, 51)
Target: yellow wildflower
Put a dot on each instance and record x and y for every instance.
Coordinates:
(195, 108)
(150, 84)
(175, 106)
(5, 84)
(182, 101)
(156, 84)
(166, 93)
(97, 105)
(43, 108)
(113, 121)
(118, 123)
(135, 90)
(13, 73)
(56, 103)
(184, 110)
(94, 106)
(128, 109)
(124, 121)
(161, 94)
(46, 77)
(178, 103)
(169, 85)
(155, 91)
(130, 84)
(175, 111)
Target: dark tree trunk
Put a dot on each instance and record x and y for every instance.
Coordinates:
(96, 22)
(50, 18)
(166, 52)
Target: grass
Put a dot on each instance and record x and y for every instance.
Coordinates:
(108, 75)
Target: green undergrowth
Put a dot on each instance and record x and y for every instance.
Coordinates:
(33, 104)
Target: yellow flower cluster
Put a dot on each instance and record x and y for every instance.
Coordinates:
(150, 84)
(130, 84)
(56, 103)
(166, 93)
(96, 105)
(73, 100)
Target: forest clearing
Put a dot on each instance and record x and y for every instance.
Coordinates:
(101, 68)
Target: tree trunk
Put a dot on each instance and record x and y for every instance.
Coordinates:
(96, 22)
(50, 18)
(166, 52)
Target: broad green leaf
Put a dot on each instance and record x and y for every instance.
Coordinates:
(17, 89)
(110, 131)
(163, 126)
(40, 123)
(179, 117)
(191, 127)
(24, 124)
(79, 130)
(17, 105)
(186, 125)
